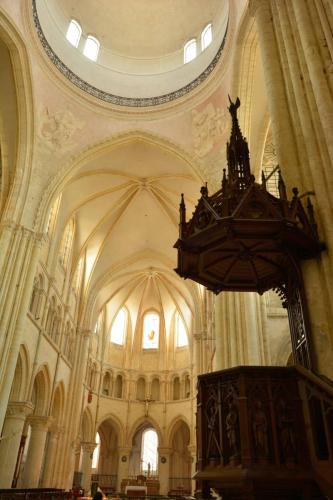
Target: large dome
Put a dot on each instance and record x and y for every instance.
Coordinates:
(141, 45)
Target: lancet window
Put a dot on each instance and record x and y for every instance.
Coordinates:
(118, 327)
(151, 327)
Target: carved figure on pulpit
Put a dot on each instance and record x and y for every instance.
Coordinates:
(260, 429)
(286, 427)
(213, 446)
(231, 422)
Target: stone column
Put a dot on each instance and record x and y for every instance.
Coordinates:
(164, 469)
(33, 464)
(51, 451)
(87, 456)
(11, 438)
(193, 451)
(123, 467)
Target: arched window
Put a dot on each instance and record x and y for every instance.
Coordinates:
(155, 389)
(118, 387)
(66, 244)
(107, 384)
(53, 216)
(118, 328)
(206, 36)
(187, 386)
(96, 453)
(78, 276)
(74, 33)
(141, 389)
(180, 331)
(91, 48)
(149, 450)
(151, 329)
(98, 323)
(176, 388)
(190, 50)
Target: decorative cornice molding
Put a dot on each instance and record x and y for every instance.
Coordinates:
(113, 98)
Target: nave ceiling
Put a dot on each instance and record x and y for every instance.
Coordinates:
(125, 206)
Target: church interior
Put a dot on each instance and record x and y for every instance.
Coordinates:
(141, 143)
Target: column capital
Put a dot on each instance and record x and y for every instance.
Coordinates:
(88, 447)
(84, 332)
(192, 449)
(40, 422)
(197, 336)
(19, 409)
(124, 451)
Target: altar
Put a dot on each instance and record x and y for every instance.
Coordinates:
(140, 486)
(136, 491)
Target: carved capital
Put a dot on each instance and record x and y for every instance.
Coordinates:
(40, 423)
(88, 447)
(19, 409)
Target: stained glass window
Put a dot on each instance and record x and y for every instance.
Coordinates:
(151, 326)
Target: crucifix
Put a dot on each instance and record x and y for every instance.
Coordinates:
(147, 401)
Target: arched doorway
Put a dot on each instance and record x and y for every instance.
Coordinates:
(180, 459)
(106, 457)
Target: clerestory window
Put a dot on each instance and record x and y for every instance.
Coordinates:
(118, 328)
(180, 331)
(190, 51)
(74, 33)
(91, 48)
(151, 330)
(206, 36)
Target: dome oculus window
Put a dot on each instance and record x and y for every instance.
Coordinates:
(206, 36)
(91, 48)
(181, 335)
(118, 328)
(151, 326)
(190, 51)
(74, 33)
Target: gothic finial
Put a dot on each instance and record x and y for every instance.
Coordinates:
(295, 193)
(204, 190)
(233, 107)
(312, 221)
(182, 215)
(224, 181)
(239, 173)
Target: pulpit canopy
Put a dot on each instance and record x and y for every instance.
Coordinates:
(242, 238)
